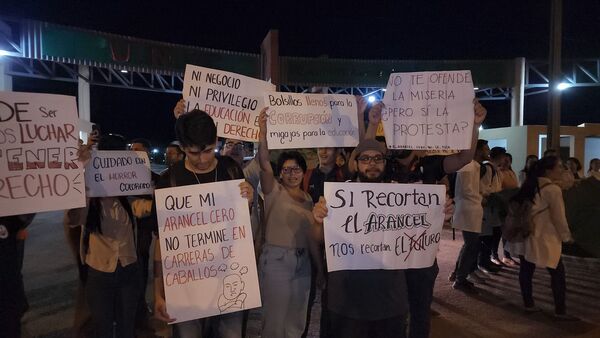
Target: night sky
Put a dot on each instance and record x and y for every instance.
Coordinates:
(392, 30)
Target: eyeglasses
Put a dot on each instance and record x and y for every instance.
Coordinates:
(367, 159)
(231, 145)
(291, 170)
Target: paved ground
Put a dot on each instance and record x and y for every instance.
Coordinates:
(50, 280)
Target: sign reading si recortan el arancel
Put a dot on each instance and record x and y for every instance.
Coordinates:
(429, 110)
(232, 100)
(207, 251)
(118, 173)
(311, 120)
(382, 225)
(39, 170)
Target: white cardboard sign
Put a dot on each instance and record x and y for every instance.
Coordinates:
(429, 110)
(234, 101)
(382, 225)
(207, 251)
(311, 120)
(118, 173)
(39, 138)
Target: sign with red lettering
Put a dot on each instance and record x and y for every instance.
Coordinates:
(118, 173)
(207, 251)
(429, 110)
(39, 138)
(311, 120)
(232, 100)
(387, 226)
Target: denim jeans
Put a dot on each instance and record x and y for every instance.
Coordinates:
(112, 298)
(284, 276)
(222, 326)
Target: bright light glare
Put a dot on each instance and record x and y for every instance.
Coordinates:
(563, 86)
(371, 99)
(480, 128)
(4, 52)
(155, 151)
(124, 71)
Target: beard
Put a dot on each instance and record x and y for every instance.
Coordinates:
(366, 179)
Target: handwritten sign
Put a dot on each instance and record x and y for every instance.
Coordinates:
(118, 173)
(232, 100)
(311, 120)
(429, 110)
(39, 170)
(382, 225)
(207, 250)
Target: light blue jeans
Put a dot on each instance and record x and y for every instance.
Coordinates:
(226, 326)
(284, 276)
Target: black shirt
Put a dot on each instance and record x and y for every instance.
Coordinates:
(317, 179)
(178, 175)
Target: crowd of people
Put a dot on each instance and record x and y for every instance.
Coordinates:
(489, 197)
(111, 237)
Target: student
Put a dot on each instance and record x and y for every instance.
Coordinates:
(197, 134)
(543, 246)
(285, 263)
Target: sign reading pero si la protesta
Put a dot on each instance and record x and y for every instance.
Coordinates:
(311, 120)
(118, 173)
(429, 110)
(382, 225)
(39, 138)
(234, 101)
(207, 251)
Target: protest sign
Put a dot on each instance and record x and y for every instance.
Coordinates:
(207, 251)
(234, 101)
(118, 173)
(429, 110)
(382, 225)
(311, 120)
(39, 170)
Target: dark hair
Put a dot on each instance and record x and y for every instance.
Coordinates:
(496, 152)
(576, 161)
(196, 129)
(592, 163)
(481, 143)
(112, 142)
(144, 142)
(509, 156)
(550, 152)
(531, 187)
(291, 155)
(529, 157)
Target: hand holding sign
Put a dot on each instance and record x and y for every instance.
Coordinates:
(320, 210)
(480, 112)
(179, 108)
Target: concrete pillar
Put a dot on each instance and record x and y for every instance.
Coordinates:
(518, 94)
(5, 80)
(83, 102)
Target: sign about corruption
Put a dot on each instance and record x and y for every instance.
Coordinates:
(232, 100)
(39, 138)
(207, 251)
(118, 173)
(429, 110)
(382, 225)
(311, 120)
